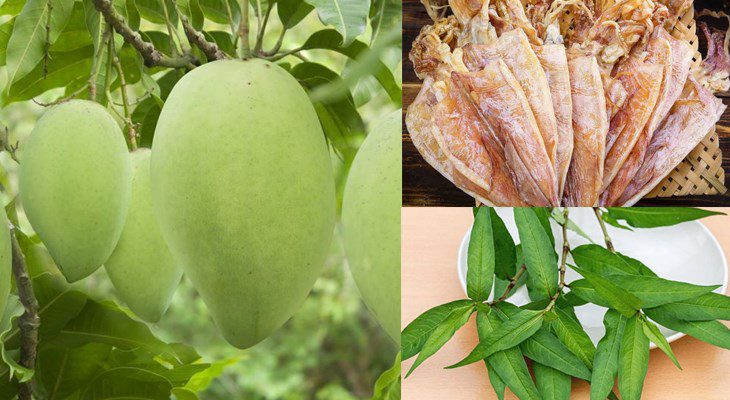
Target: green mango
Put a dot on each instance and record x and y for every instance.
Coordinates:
(141, 267)
(243, 188)
(371, 221)
(75, 185)
(6, 261)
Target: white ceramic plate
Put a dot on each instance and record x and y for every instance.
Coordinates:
(687, 252)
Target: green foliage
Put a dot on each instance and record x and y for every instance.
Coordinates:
(547, 331)
(481, 256)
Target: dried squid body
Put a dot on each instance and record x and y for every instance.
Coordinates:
(554, 62)
(447, 131)
(676, 58)
(642, 84)
(590, 125)
(505, 109)
(514, 49)
(688, 122)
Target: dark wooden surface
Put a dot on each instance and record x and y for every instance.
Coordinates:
(424, 186)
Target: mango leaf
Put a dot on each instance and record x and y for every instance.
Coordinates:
(618, 298)
(414, 335)
(508, 364)
(106, 323)
(292, 12)
(633, 360)
(154, 11)
(480, 257)
(387, 387)
(553, 384)
(540, 258)
(202, 380)
(63, 370)
(443, 332)
(128, 10)
(605, 363)
(27, 44)
(384, 14)
(224, 40)
(226, 12)
(545, 348)
(329, 39)
(6, 30)
(571, 333)
(340, 120)
(191, 9)
(12, 312)
(651, 217)
(600, 260)
(96, 26)
(712, 332)
(652, 332)
(707, 307)
(8, 386)
(12, 7)
(63, 68)
(127, 383)
(505, 251)
(75, 34)
(348, 17)
(511, 333)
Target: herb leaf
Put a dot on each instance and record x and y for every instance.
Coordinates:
(546, 348)
(505, 253)
(414, 336)
(508, 364)
(707, 307)
(539, 253)
(497, 383)
(651, 217)
(553, 384)
(652, 291)
(571, 333)
(652, 332)
(480, 259)
(605, 363)
(618, 298)
(600, 260)
(443, 332)
(633, 360)
(511, 333)
(712, 332)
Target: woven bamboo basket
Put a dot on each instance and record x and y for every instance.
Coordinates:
(701, 172)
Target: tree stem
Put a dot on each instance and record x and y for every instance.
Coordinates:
(29, 321)
(262, 29)
(131, 130)
(151, 56)
(211, 50)
(609, 244)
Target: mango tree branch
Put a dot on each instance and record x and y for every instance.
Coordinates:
(243, 31)
(211, 50)
(29, 321)
(151, 56)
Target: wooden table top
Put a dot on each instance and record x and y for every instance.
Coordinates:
(424, 186)
(430, 241)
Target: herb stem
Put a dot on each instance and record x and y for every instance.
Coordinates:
(512, 283)
(599, 217)
(566, 250)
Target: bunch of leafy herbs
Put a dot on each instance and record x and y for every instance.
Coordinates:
(547, 330)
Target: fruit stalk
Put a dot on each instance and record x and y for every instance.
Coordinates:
(243, 31)
(29, 321)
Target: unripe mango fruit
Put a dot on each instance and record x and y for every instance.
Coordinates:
(75, 185)
(244, 192)
(6, 260)
(141, 267)
(371, 221)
